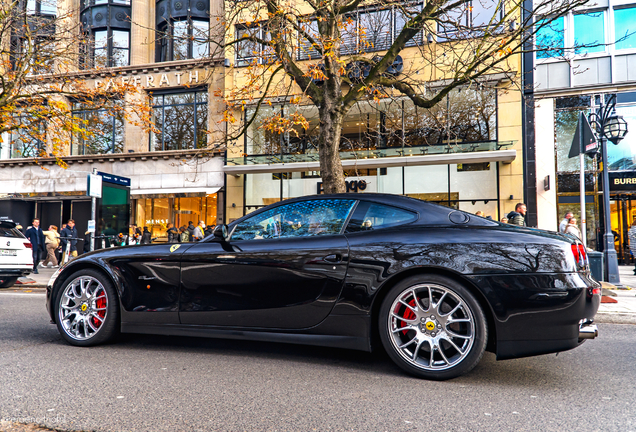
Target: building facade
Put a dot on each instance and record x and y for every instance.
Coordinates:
(176, 174)
(465, 153)
(593, 56)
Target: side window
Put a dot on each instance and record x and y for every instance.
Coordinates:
(370, 216)
(300, 219)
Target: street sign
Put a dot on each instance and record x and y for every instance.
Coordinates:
(94, 186)
(91, 226)
(584, 140)
(115, 179)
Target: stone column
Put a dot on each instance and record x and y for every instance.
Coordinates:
(137, 139)
(142, 33)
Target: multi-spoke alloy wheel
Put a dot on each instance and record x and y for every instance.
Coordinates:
(433, 327)
(85, 304)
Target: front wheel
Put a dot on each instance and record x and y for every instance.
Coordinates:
(433, 327)
(87, 309)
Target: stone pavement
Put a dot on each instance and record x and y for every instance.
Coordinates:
(622, 312)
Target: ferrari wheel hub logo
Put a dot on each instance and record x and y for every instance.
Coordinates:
(430, 326)
(84, 307)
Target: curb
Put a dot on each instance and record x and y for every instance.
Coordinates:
(615, 318)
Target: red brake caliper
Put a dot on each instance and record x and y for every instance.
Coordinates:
(101, 304)
(408, 314)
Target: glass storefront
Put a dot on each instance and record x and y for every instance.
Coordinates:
(621, 159)
(157, 213)
(469, 187)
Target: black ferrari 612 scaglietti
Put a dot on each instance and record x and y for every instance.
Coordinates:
(436, 287)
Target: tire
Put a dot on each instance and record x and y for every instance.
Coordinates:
(7, 282)
(443, 338)
(87, 309)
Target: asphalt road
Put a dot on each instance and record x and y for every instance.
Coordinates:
(152, 383)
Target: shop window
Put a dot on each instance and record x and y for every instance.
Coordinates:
(586, 41)
(250, 51)
(28, 141)
(106, 26)
(181, 120)
(550, 38)
(41, 7)
(183, 39)
(470, 19)
(300, 219)
(104, 130)
(625, 28)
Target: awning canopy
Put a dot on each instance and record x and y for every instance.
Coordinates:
(505, 156)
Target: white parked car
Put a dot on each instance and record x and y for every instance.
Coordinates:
(16, 256)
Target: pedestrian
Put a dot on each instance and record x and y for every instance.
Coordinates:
(518, 216)
(87, 241)
(479, 213)
(68, 238)
(572, 228)
(631, 234)
(564, 223)
(191, 230)
(504, 220)
(173, 234)
(184, 237)
(146, 237)
(198, 231)
(52, 242)
(208, 230)
(36, 237)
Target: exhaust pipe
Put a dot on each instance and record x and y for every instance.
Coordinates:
(587, 330)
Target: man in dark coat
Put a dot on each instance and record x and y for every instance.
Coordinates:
(36, 237)
(190, 230)
(146, 237)
(67, 233)
(518, 217)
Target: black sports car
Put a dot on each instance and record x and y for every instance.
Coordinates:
(436, 287)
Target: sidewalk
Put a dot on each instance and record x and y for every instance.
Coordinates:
(622, 312)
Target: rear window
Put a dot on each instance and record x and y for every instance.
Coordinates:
(372, 216)
(7, 230)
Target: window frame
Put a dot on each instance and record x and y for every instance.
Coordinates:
(195, 104)
(83, 113)
(166, 40)
(258, 213)
(357, 217)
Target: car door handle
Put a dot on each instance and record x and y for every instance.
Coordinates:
(333, 258)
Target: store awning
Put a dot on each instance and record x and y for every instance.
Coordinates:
(505, 156)
(173, 192)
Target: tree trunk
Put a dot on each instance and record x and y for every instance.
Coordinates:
(329, 144)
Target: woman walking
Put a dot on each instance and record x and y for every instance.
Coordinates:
(572, 228)
(52, 242)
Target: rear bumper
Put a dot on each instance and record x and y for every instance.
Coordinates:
(17, 271)
(542, 313)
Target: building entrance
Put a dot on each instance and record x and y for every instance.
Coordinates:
(623, 210)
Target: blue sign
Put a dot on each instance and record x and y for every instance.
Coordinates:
(115, 179)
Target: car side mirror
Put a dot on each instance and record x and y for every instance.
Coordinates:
(220, 232)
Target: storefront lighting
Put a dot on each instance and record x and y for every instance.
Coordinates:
(615, 128)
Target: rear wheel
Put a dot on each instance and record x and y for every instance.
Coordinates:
(433, 327)
(8, 282)
(87, 309)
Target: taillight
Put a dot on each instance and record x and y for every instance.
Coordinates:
(580, 255)
(583, 255)
(28, 245)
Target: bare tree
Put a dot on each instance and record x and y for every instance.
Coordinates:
(40, 90)
(333, 54)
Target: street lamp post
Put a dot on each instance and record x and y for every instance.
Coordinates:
(609, 127)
